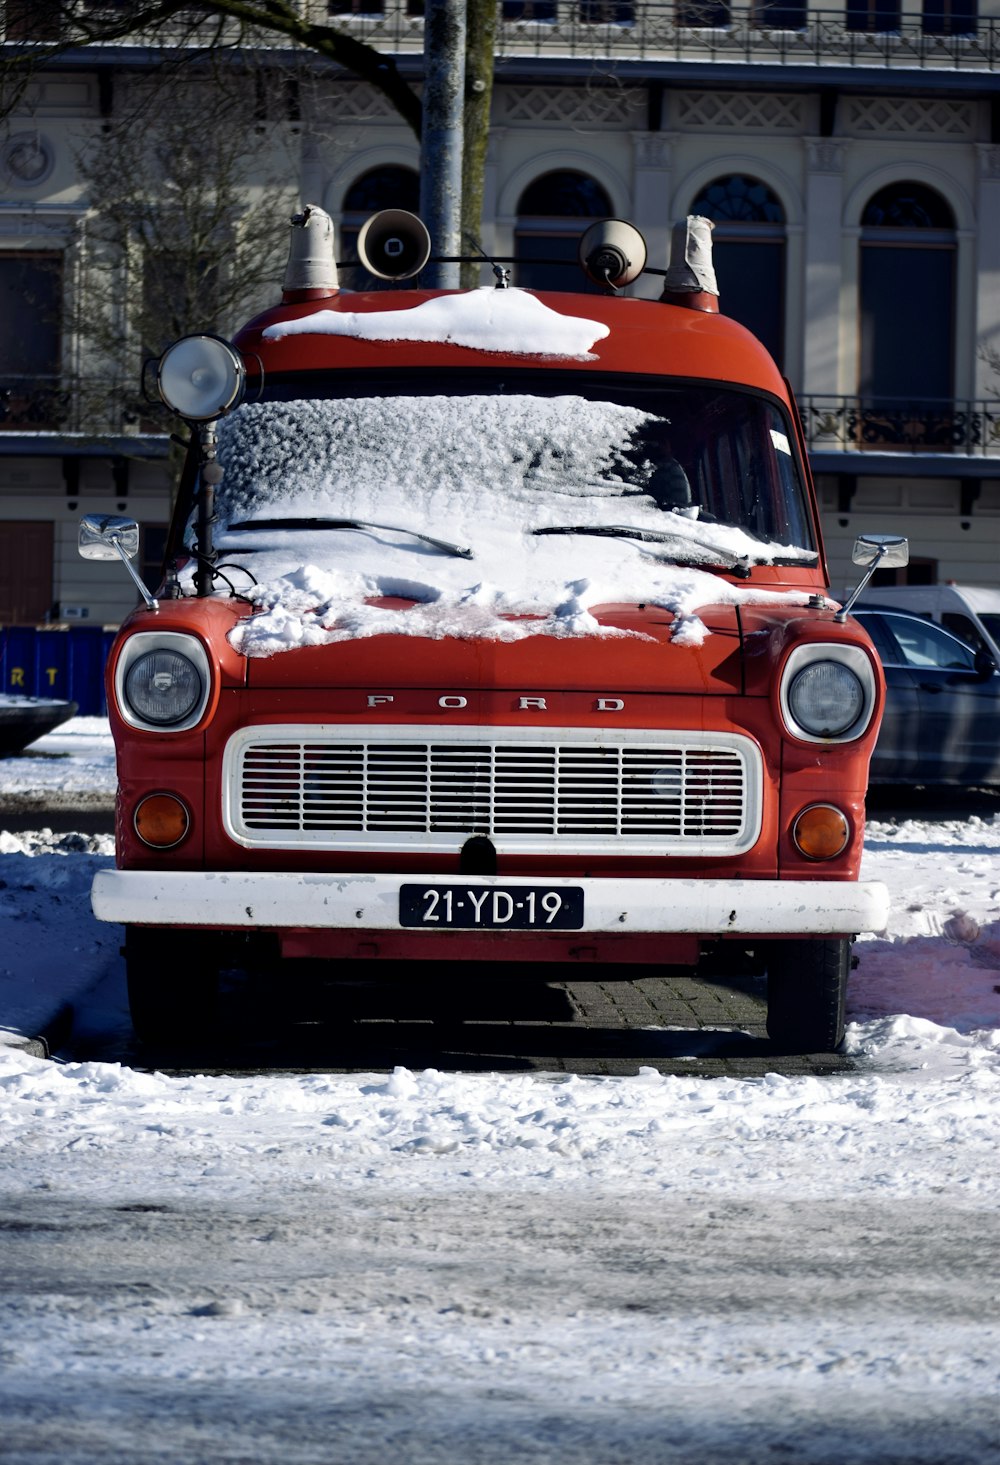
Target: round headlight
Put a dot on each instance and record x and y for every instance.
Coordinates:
(826, 698)
(163, 687)
(201, 377)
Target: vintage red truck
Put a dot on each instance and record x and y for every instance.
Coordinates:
(494, 627)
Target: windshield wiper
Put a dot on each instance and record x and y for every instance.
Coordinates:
(441, 544)
(739, 565)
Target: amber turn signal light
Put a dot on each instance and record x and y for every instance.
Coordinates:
(821, 832)
(161, 821)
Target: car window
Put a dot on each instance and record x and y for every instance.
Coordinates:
(888, 652)
(926, 646)
(963, 626)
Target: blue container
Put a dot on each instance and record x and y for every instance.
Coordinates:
(63, 662)
(17, 660)
(53, 655)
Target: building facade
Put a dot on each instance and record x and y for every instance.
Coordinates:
(850, 160)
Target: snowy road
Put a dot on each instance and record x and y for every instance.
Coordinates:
(470, 1324)
(500, 1267)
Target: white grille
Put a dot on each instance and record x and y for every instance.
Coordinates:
(566, 790)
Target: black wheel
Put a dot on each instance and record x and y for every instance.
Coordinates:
(173, 984)
(806, 994)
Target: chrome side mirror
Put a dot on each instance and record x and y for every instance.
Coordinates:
(875, 552)
(110, 537)
(892, 550)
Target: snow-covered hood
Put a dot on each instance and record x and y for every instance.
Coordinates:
(636, 652)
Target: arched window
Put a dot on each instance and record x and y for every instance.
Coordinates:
(552, 213)
(748, 246)
(907, 298)
(908, 206)
(389, 187)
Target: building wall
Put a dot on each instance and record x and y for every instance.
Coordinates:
(652, 178)
(33, 489)
(962, 547)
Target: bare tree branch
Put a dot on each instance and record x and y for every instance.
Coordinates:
(171, 25)
(185, 34)
(180, 235)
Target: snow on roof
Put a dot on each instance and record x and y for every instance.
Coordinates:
(486, 319)
(481, 473)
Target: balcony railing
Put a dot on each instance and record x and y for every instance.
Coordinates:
(694, 30)
(831, 424)
(35, 404)
(770, 31)
(857, 424)
(69, 404)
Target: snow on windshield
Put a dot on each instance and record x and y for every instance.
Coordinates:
(486, 319)
(480, 472)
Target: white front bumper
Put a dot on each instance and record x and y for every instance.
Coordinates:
(226, 900)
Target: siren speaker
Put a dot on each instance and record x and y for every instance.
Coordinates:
(311, 265)
(394, 245)
(613, 253)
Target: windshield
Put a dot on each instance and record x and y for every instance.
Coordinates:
(595, 453)
(499, 507)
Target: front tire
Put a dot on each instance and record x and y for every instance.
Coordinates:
(173, 984)
(807, 994)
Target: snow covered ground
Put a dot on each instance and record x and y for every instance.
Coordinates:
(441, 1267)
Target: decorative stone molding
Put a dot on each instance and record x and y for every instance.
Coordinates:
(909, 116)
(34, 223)
(354, 101)
(989, 160)
(742, 111)
(579, 106)
(653, 150)
(825, 155)
(26, 159)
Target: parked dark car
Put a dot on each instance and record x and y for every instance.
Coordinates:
(23, 719)
(942, 713)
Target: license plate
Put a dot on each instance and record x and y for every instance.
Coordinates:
(491, 907)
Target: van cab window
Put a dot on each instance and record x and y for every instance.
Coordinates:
(960, 625)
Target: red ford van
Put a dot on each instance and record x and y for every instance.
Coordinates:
(494, 627)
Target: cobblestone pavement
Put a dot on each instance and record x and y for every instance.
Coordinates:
(614, 1023)
(607, 1025)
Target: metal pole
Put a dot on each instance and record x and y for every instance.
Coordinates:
(441, 148)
